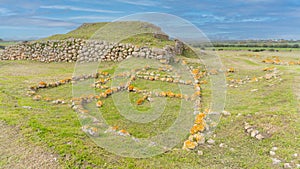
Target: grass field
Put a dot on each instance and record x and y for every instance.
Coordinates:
(3, 44)
(56, 129)
(254, 48)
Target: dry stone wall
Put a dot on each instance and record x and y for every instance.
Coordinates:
(73, 50)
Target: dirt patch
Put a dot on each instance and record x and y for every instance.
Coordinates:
(16, 152)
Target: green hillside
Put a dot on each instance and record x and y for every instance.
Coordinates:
(88, 30)
(85, 31)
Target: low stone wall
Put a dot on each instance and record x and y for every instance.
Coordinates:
(73, 50)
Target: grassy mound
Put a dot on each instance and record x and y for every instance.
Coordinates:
(87, 30)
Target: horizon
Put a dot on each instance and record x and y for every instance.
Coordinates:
(233, 20)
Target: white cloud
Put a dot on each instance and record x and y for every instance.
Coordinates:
(140, 2)
(33, 21)
(92, 17)
(73, 8)
(6, 12)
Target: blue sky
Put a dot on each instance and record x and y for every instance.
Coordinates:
(227, 19)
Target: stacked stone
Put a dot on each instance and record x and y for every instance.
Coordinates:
(46, 51)
(73, 50)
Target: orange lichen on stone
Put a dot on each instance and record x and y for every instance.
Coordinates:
(178, 96)
(190, 145)
(94, 129)
(254, 79)
(291, 63)
(268, 68)
(198, 93)
(199, 121)
(103, 95)
(200, 127)
(195, 71)
(231, 70)
(62, 82)
(123, 132)
(115, 128)
(203, 82)
(164, 94)
(151, 78)
(42, 84)
(267, 61)
(101, 81)
(170, 94)
(104, 73)
(99, 103)
(130, 88)
(139, 101)
(199, 118)
(108, 92)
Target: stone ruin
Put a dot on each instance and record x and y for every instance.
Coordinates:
(73, 50)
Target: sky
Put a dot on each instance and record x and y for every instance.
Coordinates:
(219, 20)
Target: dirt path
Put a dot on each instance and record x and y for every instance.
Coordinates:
(16, 152)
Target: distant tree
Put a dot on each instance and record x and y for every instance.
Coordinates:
(1, 40)
(296, 46)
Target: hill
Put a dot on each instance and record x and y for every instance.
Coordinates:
(85, 31)
(88, 30)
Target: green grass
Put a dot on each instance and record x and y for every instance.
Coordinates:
(272, 109)
(3, 44)
(85, 31)
(91, 31)
(148, 40)
(252, 48)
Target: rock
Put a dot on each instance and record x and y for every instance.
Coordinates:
(297, 165)
(58, 101)
(210, 141)
(249, 130)
(222, 145)
(259, 136)
(254, 90)
(82, 50)
(27, 107)
(226, 113)
(42, 85)
(200, 153)
(275, 161)
(37, 98)
(189, 145)
(272, 153)
(247, 126)
(268, 76)
(274, 148)
(254, 133)
(287, 165)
